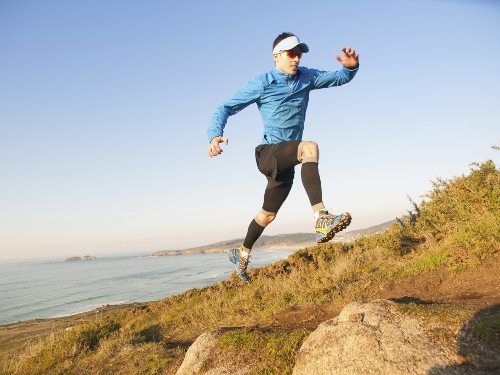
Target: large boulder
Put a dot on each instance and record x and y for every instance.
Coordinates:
(371, 338)
(205, 357)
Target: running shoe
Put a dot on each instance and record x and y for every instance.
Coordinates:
(327, 225)
(240, 262)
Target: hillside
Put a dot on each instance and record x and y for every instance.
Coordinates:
(439, 267)
(290, 241)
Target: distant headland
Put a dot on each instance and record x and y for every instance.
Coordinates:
(281, 241)
(77, 259)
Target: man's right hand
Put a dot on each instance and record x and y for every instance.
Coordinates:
(213, 147)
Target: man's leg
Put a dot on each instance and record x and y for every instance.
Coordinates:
(274, 197)
(326, 223)
(276, 192)
(308, 155)
(255, 229)
(288, 155)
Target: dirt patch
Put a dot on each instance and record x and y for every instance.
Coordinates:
(478, 287)
(308, 316)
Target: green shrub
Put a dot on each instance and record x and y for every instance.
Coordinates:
(88, 336)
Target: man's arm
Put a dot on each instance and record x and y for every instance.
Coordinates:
(350, 61)
(243, 98)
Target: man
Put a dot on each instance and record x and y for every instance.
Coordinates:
(282, 96)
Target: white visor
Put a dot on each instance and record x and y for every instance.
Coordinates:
(289, 43)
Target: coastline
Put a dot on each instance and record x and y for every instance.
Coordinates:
(24, 331)
(66, 320)
(221, 250)
(19, 333)
(96, 309)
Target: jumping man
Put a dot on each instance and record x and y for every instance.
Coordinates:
(282, 96)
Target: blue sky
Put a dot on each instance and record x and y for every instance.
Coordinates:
(104, 108)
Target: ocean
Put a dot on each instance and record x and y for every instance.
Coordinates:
(54, 288)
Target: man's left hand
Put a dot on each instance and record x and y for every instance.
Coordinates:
(350, 60)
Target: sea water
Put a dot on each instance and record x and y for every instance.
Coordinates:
(44, 289)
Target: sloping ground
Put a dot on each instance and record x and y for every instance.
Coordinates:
(378, 337)
(456, 321)
(434, 255)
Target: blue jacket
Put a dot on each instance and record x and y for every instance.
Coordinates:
(282, 100)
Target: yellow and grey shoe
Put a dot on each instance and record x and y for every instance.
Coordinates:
(327, 225)
(240, 262)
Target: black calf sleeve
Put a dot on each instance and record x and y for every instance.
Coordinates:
(312, 182)
(254, 232)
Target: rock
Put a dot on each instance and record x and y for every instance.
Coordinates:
(76, 259)
(371, 338)
(204, 357)
(198, 353)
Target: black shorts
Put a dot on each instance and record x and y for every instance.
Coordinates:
(277, 162)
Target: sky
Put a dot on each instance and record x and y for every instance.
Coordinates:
(104, 109)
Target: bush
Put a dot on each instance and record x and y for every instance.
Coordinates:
(88, 337)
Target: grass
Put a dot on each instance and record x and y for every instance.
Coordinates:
(269, 352)
(443, 321)
(455, 228)
(475, 334)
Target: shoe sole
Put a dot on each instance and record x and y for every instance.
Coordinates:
(341, 225)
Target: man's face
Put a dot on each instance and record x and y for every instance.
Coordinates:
(288, 61)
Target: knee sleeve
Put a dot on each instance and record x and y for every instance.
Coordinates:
(310, 159)
(265, 213)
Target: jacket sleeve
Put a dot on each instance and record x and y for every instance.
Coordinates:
(242, 99)
(322, 79)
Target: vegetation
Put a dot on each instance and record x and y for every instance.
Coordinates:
(454, 229)
(443, 321)
(275, 350)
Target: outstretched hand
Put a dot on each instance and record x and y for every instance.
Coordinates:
(350, 59)
(213, 147)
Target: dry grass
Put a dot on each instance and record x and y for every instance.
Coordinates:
(442, 321)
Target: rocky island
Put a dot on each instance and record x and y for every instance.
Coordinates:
(77, 259)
